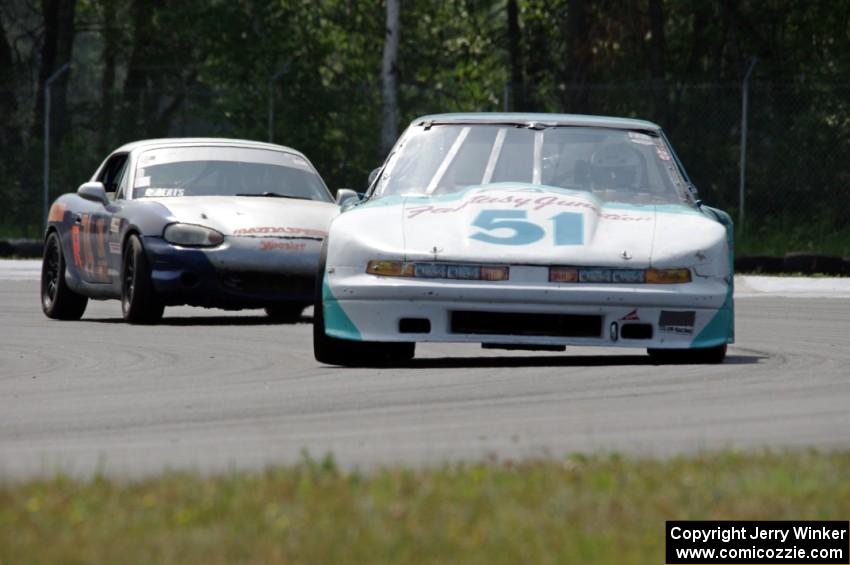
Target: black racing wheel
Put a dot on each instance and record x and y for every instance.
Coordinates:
(139, 302)
(57, 300)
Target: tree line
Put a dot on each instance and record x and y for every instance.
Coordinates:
(343, 77)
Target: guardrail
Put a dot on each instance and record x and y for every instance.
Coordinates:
(21, 248)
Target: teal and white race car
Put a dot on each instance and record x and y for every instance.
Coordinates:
(527, 231)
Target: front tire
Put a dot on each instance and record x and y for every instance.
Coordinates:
(706, 356)
(139, 302)
(347, 353)
(57, 300)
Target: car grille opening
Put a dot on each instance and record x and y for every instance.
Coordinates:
(636, 331)
(414, 326)
(267, 282)
(512, 323)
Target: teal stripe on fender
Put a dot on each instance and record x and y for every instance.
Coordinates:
(721, 328)
(337, 322)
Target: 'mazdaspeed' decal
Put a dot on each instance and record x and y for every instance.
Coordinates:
(280, 230)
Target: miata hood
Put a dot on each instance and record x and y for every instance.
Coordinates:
(252, 216)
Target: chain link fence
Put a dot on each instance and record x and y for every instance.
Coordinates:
(798, 151)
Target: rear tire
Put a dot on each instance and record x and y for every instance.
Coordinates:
(706, 356)
(139, 302)
(57, 300)
(285, 313)
(344, 352)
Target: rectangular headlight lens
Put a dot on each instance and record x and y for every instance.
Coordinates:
(427, 270)
(463, 272)
(623, 276)
(594, 275)
(628, 276)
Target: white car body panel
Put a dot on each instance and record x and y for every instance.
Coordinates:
(261, 234)
(441, 229)
(529, 227)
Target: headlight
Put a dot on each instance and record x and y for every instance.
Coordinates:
(626, 276)
(190, 235)
(431, 270)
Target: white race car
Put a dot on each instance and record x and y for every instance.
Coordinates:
(207, 222)
(527, 231)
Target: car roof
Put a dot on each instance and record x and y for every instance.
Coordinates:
(539, 118)
(208, 141)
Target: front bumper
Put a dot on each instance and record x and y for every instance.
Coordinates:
(358, 306)
(243, 272)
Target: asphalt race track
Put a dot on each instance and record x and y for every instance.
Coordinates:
(211, 390)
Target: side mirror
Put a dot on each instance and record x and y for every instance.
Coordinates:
(93, 191)
(345, 195)
(373, 175)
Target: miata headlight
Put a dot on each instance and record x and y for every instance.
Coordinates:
(190, 235)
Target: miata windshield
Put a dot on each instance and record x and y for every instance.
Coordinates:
(613, 164)
(225, 171)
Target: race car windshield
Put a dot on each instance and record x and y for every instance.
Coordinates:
(613, 164)
(226, 171)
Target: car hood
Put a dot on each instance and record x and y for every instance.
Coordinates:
(525, 224)
(252, 216)
(532, 224)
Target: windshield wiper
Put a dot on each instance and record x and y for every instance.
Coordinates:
(274, 195)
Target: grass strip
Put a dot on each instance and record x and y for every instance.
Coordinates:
(582, 509)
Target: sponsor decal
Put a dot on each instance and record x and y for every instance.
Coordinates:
(677, 322)
(57, 213)
(520, 201)
(115, 225)
(640, 138)
(631, 317)
(88, 254)
(114, 248)
(75, 245)
(164, 192)
(267, 245)
(100, 235)
(277, 230)
(143, 182)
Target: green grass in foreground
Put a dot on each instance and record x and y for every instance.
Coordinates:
(601, 509)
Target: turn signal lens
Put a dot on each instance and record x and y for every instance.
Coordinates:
(495, 273)
(668, 276)
(389, 268)
(563, 274)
